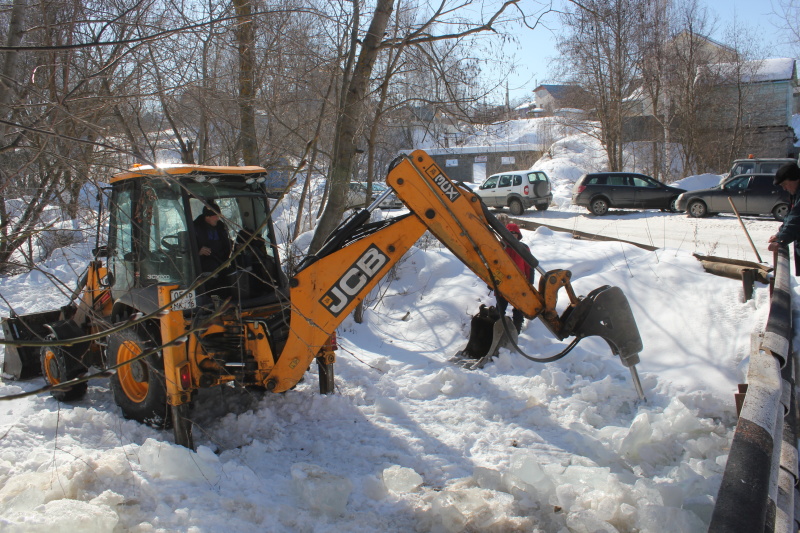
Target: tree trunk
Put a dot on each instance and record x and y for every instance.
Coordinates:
(349, 119)
(245, 37)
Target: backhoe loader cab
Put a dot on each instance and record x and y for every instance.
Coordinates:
(152, 238)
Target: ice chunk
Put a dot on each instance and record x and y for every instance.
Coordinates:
(63, 515)
(525, 467)
(401, 479)
(488, 478)
(170, 461)
(669, 520)
(321, 491)
(473, 509)
(640, 434)
(373, 487)
(587, 521)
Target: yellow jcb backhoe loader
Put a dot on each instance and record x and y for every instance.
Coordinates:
(144, 313)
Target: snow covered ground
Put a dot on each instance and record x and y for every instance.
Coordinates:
(411, 442)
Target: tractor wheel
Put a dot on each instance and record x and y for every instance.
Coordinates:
(139, 387)
(59, 365)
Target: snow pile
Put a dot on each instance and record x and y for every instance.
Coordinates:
(411, 441)
(701, 181)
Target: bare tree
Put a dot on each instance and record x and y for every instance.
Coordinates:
(602, 47)
(355, 86)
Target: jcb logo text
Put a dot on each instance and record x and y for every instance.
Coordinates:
(354, 279)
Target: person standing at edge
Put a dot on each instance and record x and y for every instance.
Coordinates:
(502, 304)
(788, 177)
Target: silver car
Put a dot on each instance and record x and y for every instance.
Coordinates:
(752, 194)
(357, 195)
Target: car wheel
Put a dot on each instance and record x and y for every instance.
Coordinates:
(780, 211)
(542, 207)
(599, 206)
(139, 388)
(673, 207)
(515, 206)
(697, 209)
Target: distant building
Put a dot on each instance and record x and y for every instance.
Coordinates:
(553, 98)
(472, 164)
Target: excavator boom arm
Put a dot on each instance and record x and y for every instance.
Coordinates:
(329, 285)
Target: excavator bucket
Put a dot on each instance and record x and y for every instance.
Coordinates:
(487, 335)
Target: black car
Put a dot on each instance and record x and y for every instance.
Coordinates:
(601, 190)
(752, 194)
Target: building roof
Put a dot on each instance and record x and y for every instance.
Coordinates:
(762, 70)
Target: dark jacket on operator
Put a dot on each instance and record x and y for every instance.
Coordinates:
(216, 239)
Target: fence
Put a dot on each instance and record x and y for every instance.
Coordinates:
(759, 487)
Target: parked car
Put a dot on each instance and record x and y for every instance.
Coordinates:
(357, 195)
(752, 194)
(600, 191)
(517, 189)
(758, 165)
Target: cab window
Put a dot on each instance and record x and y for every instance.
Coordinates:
(505, 181)
(617, 180)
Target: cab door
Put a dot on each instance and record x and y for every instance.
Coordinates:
(122, 254)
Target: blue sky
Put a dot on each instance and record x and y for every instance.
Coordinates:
(536, 48)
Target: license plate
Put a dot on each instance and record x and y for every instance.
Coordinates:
(184, 303)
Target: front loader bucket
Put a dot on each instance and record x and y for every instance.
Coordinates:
(22, 362)
(605, 312)
(487, 335)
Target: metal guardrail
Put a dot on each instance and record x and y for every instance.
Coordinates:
(759, 487)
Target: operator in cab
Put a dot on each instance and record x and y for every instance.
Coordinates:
(214, 247)
(788, 178)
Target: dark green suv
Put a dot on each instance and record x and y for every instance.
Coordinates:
(602, 190)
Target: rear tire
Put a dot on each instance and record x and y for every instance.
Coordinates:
(697, 209)
(515, 206)
(599, 207)
(139, 388)
(780, 211)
